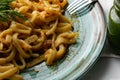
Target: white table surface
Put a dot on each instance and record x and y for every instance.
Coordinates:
(108, 65)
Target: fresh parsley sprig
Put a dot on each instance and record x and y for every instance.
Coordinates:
(6, 12)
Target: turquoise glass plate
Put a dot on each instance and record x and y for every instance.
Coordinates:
(90, 24)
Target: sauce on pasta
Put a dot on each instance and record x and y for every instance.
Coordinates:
(45, 36)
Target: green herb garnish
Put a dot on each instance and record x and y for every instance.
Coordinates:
(6, 12)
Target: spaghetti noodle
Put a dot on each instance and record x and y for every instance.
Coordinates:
(45, 36)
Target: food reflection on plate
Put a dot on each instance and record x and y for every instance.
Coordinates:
(44, 36)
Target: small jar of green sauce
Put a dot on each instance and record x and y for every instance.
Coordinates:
(114, 26)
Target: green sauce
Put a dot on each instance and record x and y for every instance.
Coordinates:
(114, 25)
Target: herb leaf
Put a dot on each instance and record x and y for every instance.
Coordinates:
(5, 1)
(6, 12)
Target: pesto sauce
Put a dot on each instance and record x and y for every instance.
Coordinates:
(114, 26)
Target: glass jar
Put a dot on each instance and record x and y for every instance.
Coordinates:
(114, 25)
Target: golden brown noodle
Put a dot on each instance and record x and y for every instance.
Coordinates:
(45, 36)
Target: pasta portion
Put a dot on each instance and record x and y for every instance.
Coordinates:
(45, 36)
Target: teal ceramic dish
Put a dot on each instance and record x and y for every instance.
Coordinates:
(80, 56)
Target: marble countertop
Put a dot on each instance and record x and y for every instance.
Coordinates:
(108, 65)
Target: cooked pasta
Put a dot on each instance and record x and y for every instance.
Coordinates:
(44, 36)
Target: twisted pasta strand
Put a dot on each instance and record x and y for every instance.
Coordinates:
(45, 36)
